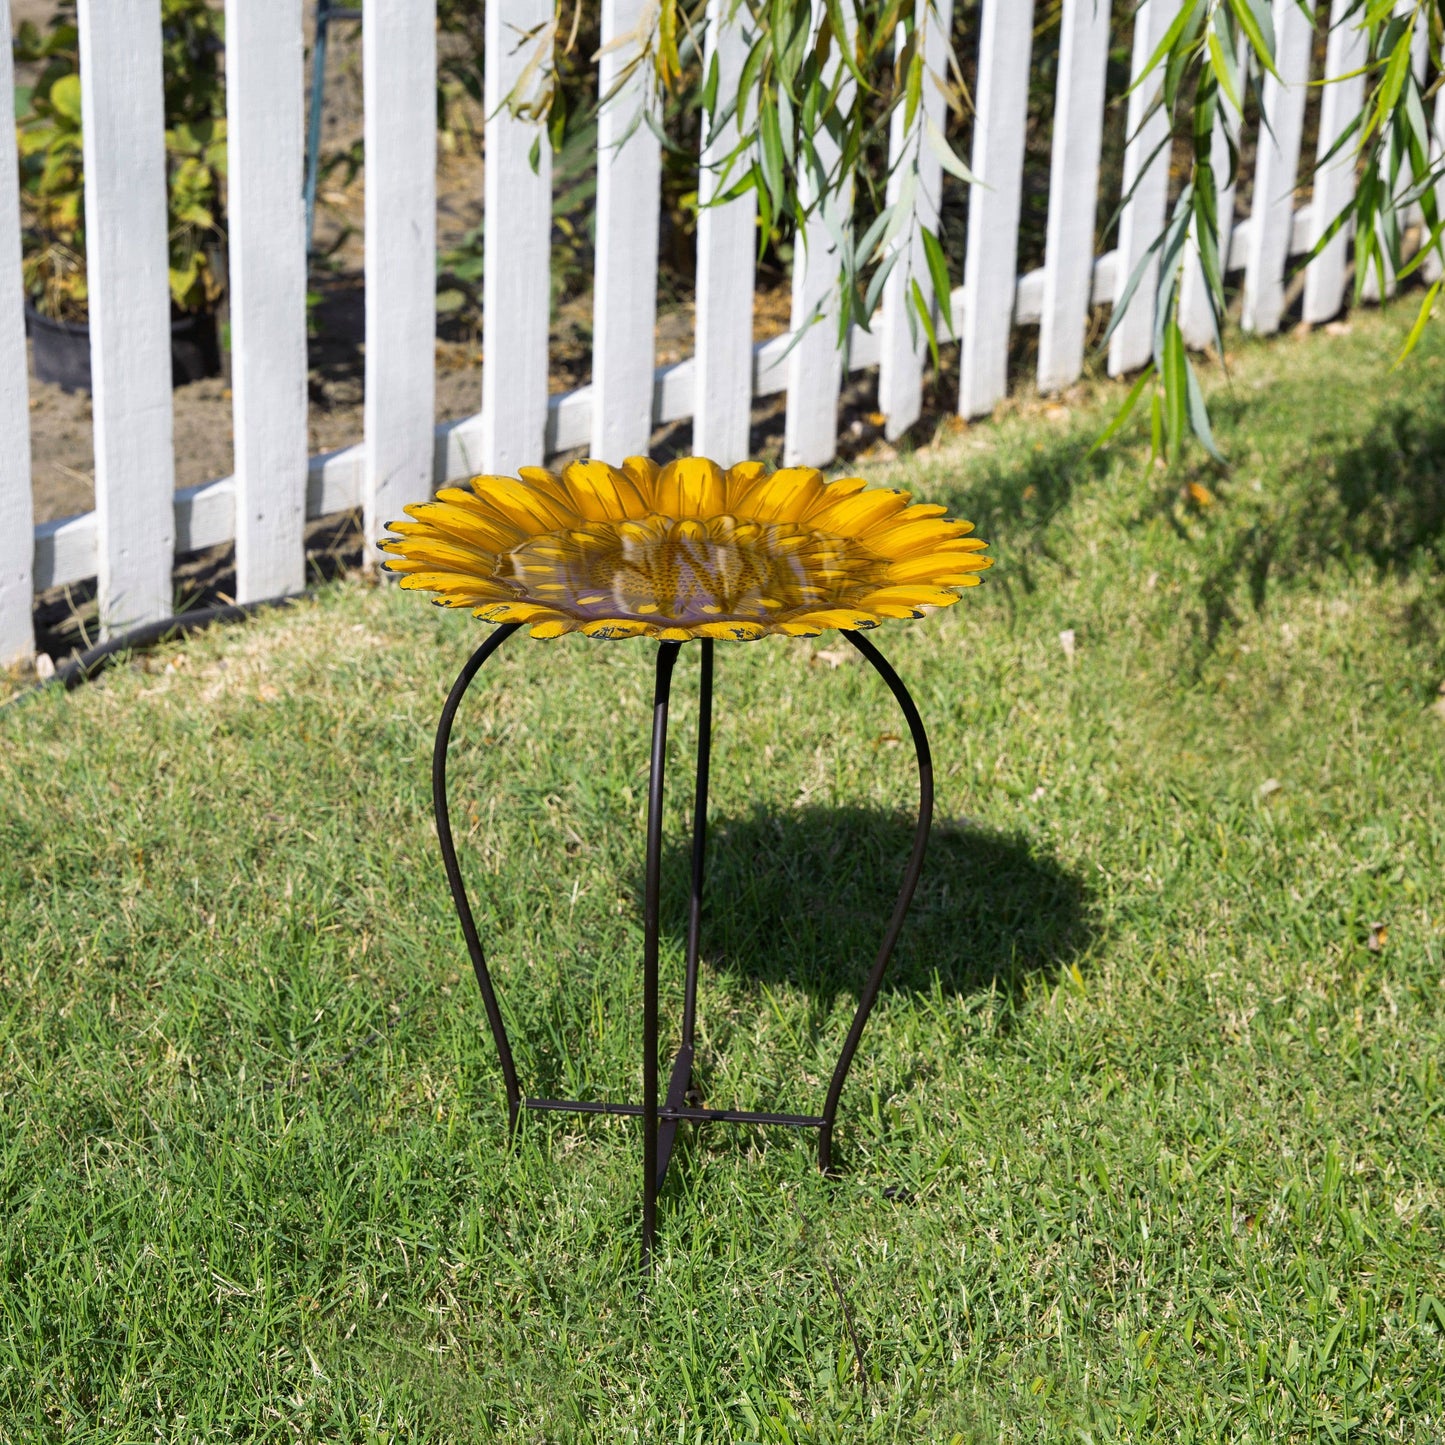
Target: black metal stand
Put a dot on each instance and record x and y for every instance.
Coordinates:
(660, 1121)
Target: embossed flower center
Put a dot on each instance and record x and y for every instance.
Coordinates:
(691, 570)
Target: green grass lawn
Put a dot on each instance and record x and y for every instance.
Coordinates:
(1146, 1139)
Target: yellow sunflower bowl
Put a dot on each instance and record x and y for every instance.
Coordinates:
(683, 550)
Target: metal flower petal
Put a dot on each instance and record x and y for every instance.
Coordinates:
(689, 549)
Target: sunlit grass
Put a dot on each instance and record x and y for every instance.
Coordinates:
(1146, 1138)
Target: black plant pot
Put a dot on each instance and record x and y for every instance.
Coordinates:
(60, 350)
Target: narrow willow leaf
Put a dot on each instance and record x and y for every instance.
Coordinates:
(925, 315)
(1346, 135)
(771, 149)
(872, 239)
(708, 99)
(766, 214)
(1199, 414)
(1121, 305)
(753, 67)
(913, 94)
(845, 48)
(945, 153)
(875, 287)
(1175, 374)
(668, 61)
(1123, 414)
(787, 128)
(1258, 27)
(900, 214)
(1418, 329)
(1391, 83)
(1175, 30)
(938, 274)
(1222, 63)
(1182, 57)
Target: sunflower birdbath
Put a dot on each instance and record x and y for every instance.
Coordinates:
(677, 552)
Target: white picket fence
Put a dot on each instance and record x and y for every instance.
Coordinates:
(140, 522)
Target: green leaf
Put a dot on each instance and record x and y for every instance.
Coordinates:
(913, 90)
(1199, 414)
(557, 121)
(938, 274)
(772, 152)
(1186, 13)
(1175, 373)
(1396, 73)
(945, 153)
(766, 214)
(1253, 25)
(1121, 303)
(1222, 64)
(925, 315)
(901, 212)
(875, 288)
(1123, 414)
(65, 97)
(1418, 329)
(844, 44)
(708, 99)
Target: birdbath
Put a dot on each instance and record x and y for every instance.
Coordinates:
(681, 553)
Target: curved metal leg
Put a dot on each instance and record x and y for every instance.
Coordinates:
(905, 895)
(666, 661)
(454, 872)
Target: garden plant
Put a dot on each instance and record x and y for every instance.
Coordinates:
(52, 169)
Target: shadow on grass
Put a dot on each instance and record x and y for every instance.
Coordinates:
(1391, 488)
(799, 901)
(802, 898)
(1377, 505)
(1017, 501)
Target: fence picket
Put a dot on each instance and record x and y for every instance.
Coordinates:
(815, 364)
(723, 374)
(1146, 184)
(629, 190)
(267, 227)
(127, 263)
(1073, 191)
(1276, 166)
(398, 46)
(990, 264)
(902, 343)
(517, 244)
(17, 515)
(1334, 184)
